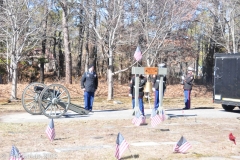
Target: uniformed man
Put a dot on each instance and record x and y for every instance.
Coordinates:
(89, 84)
(142, 82)
(156, 81)
(187, 87)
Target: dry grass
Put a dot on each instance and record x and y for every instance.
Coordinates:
(209, 137)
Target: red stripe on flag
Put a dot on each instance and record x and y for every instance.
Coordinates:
(120, 149)
(155, 120)
(183, 148)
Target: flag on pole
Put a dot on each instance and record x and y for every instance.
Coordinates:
(50, 130)
(232, 138)
(155, 118)
(138, 54)
(138, 119)
(121, 146)
(15, 154)
(182, 146)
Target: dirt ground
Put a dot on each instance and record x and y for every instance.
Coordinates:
(95, 139)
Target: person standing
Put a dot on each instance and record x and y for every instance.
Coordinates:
(155, 88)
(142, 82)
(89, 84)
(187, 87)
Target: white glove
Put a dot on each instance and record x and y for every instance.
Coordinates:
(153, 89)
(130, 95)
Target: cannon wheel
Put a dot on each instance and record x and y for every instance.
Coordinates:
(54, 100)
(30, 99)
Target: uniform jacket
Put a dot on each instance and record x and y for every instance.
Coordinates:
(156, 81)
(142, 82)
(188, 82)
(89, 81)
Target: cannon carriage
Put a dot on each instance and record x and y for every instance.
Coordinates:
(52, 101)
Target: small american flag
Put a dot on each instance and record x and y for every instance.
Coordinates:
(121, 146)
(15, 154)
(50, 130)
(138, 119)
(182, 146)
(138, 54)
(155, 118)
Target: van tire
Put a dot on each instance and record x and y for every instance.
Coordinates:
(227, 107)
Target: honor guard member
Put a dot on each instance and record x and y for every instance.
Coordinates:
(155, 88)
(89, 84)
(142, 82)
(187, 87)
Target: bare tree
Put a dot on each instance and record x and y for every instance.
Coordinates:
(21, 30)
(156, 24)
(221, 28)
(224, 15)
(107, 31)
(67, 51)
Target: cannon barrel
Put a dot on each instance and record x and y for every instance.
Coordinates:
(38, 88)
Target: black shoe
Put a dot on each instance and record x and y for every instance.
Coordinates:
(185, 108)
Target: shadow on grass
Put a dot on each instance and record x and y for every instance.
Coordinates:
(74, 115)
(110, 110)
(179, 109)
(204, 108)
(181, 115)
(130, 157)
(56, 139)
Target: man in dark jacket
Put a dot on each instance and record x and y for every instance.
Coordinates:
(142, 82)
(89, 84)
(187, 86)
(156, 81)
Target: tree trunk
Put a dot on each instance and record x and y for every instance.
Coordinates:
(110, 77)
(14, 79)
(120, 68)
(67, 52)
(93, 48)
(54, 53)
(87, 50)
(80, 44)
(60, 58)
(44, 41)
(233, 34)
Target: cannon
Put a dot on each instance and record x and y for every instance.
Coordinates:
(53, 101)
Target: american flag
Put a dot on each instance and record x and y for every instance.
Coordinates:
(182, 146)
(50, 130)
(155, 118)
(138, 119)
(15, 154)
(138, 54)
(121, 146)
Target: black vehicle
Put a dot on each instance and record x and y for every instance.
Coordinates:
(227, 80)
